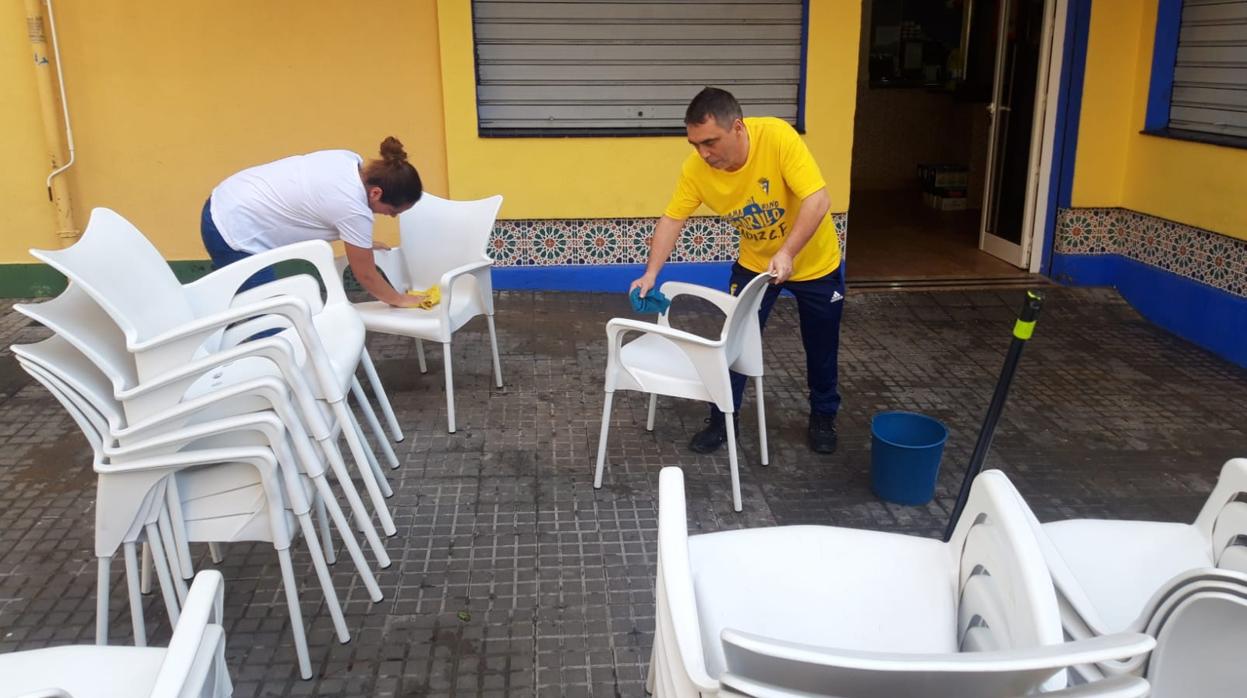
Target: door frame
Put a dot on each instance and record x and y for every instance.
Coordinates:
(1027, 254)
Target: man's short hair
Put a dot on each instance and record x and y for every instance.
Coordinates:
(712, 101)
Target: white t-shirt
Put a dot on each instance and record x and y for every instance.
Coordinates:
(318, 196)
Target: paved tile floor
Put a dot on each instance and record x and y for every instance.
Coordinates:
(512, 576)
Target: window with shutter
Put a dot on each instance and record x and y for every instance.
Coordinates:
(630, 67)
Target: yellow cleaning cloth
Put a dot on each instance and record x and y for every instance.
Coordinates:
(433, 296)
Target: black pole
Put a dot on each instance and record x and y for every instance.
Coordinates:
(1022, 331)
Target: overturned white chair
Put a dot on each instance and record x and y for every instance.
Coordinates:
(820, 610)
(669, 361)
(1160, 578)
(193, 666)
(442, 244)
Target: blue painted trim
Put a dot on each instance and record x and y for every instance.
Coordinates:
(805, 50)
(1068, 113)
(1214, 319)
(1164, 58)
(606, 277)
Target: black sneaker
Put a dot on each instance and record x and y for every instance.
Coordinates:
(823, 435)
(709, 440)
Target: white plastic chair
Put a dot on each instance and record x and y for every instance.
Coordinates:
(231, 375)
(820, 610)
(1199, 647)
(192, 666)
(442, 244)
(669, 361)
(167, 325)
(239, 497)
(1115, 576)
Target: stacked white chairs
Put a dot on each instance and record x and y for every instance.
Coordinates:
(669, 361)
(1183, 584)
(205, 431)
(827, 611)
(192, 666)
(442, 244)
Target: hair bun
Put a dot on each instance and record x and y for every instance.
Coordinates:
(392, 150)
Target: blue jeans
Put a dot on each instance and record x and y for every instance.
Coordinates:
(223, 255)
(820, 303)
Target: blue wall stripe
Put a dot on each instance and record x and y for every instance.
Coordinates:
(613, 278)
(1164, 298)
(805, 52)
(1164, 57)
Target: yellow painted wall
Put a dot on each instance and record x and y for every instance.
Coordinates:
(168, 98)
(629, 177)
(1194, 183)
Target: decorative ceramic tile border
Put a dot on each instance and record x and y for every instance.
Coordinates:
(1202, 255)
(572, 241)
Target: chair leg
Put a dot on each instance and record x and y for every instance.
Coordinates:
(424, 368)
(450, 389)
(136, 598)
(606, 422)
(731, 455)
(296, 614)
(766, 456)
(181, 546)
(166, 538)
(371, 417)
(348, 538)
(214, 552)
(375, 466)
(326, 580)
(326, 535)
(160, 562)
(493, 344)
(362, 519)
(358, 451)
(653, 406)
(145, 575)
(103, 569)
(382, 399)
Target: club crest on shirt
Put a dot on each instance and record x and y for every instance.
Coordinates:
(765, 184)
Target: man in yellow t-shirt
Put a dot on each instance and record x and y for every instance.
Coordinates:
(759, 176)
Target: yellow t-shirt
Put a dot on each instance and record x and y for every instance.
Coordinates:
(761, 199)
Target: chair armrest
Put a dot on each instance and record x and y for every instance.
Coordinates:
(300, 286)
(197, 639)
(677, 634)
(724, 301)
(1058, 656)
(484, 285)
(616, 328)
(216, 290)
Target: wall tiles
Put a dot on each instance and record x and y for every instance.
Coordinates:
(594, 241)
(1202, 255)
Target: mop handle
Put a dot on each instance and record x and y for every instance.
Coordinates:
(1022, 331)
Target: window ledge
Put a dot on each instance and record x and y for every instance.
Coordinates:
(1225, 140)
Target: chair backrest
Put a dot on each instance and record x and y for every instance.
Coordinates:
(77, 319)
(744, 316)
(1199, 648)
(1223, 518)
(122, 272)
(438, 235)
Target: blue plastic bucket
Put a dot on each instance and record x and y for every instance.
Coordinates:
(905, 452)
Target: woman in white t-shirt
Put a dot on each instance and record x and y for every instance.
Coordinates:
(325, 195)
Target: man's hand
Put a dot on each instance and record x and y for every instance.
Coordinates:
(645, 283)
(780, 267)
(376, 245)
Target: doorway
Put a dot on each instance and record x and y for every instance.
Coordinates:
(946, 145)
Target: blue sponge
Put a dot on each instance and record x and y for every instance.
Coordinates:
(653, 302)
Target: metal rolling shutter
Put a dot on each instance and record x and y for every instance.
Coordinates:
(1210, 77)
(609, 66)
